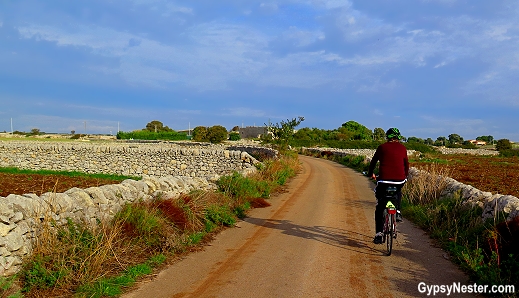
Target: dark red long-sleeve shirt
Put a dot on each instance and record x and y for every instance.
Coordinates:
(394, 165)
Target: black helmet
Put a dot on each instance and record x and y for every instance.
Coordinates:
(393, 133)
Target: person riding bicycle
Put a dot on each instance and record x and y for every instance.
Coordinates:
(393, 171)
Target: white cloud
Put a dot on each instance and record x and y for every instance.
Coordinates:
(332, 4)
(498, 32)
(447, 2)
(269, 7)
(218, 52)
(302, 38)
(102, 40)
(377, 86)
(378, 112)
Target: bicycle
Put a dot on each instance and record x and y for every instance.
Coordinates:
(389, 214)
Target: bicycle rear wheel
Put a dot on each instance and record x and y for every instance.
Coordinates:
(388, 233)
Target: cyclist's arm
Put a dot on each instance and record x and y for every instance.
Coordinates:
(372, 165)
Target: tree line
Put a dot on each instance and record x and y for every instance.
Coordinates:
(350, 134)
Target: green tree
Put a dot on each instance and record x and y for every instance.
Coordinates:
(503, 144)
(455, 139)
(429, 141)
(216, 134)
(359, 131)
(304, 133)
(441, 141)
(35, 131)
(379, 134)
(200, 134)
(157, 126)
(415, 140)
(283, 132)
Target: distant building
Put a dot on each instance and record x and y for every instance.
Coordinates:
(251, 132)
(478, 142)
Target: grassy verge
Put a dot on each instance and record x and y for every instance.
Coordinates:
(104, 261)
(486, 250)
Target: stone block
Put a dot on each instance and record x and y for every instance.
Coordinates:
(97, 194)
(79, 196)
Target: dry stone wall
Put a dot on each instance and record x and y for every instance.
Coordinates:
(160, 159)
(21, 215)
(167, 170)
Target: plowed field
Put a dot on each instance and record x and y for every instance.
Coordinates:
(35, 183)
(486, 173)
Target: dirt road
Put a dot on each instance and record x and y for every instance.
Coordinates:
(314, 241)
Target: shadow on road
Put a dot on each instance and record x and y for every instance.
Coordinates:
(337, 237)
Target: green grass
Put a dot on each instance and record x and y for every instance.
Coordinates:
(429, 160)
(460, 230)
(13, 170)
(114, 286)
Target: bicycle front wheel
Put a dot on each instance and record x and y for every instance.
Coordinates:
(390, 220)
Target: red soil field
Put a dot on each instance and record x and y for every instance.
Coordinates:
(487, 173)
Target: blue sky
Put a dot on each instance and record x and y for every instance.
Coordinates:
(428, 67)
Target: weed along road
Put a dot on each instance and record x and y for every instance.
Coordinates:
(314, 241)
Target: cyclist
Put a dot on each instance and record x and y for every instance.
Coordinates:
(393, 171)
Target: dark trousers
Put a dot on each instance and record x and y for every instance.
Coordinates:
(380, 194)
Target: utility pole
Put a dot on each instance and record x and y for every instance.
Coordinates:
(11, 125)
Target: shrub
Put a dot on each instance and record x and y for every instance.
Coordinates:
(219, 215)
(151, 135)
(357, 162)
(234, 136)
(216, 134)
(243, 188)
(509, 153)
(200, 134)
(424, 148)
(503, 144)
(427, 185)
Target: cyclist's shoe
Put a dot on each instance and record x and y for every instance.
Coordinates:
(378, 238)
(399, 217)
